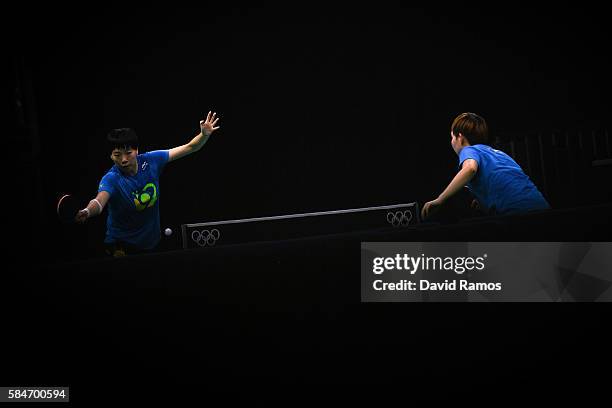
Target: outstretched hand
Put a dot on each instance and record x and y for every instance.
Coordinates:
(430, 208)
(208, 126)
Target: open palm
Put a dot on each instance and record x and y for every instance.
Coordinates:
(208, 126)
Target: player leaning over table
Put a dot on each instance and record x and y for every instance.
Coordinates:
(131, 189)
(494, 178)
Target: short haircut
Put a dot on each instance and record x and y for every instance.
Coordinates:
(122, 138)
(472, 127)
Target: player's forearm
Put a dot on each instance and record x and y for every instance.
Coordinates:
(458, 182)
(94, 208)
(197, 142)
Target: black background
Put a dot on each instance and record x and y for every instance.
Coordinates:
(321, 108)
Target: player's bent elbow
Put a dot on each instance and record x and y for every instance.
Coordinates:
(469, 171)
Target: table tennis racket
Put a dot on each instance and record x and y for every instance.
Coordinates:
(67, 208)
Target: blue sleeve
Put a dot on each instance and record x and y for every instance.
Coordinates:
(159, 157)
(107, 184)
(468, 152)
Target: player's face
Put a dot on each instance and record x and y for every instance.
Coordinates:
(125, 159)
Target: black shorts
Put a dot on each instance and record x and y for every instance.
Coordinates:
(119, 249)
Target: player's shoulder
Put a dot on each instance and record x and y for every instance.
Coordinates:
(482, 149)
(469, 151)
(492, 150)
(154, 155)
(112, 175)
(113, 172)
(109, 180)
(158, 157)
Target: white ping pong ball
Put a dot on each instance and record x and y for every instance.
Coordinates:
(168, 231)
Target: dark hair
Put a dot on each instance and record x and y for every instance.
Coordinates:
(472, 127)
(122, 138)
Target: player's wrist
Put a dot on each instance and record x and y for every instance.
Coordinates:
(95, 205)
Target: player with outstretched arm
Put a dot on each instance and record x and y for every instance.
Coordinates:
(131, 190)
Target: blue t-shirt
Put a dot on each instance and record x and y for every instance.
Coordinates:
(500, 185)
(133, 207)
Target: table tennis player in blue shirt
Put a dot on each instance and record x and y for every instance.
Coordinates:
(494, 178)
(131, 190)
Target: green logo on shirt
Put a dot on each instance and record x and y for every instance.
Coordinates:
(145, 198)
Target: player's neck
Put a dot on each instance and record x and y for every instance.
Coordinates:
(131, 171)
(462, 146)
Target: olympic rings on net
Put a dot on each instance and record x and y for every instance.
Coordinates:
(399, 218)
(205, 237)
